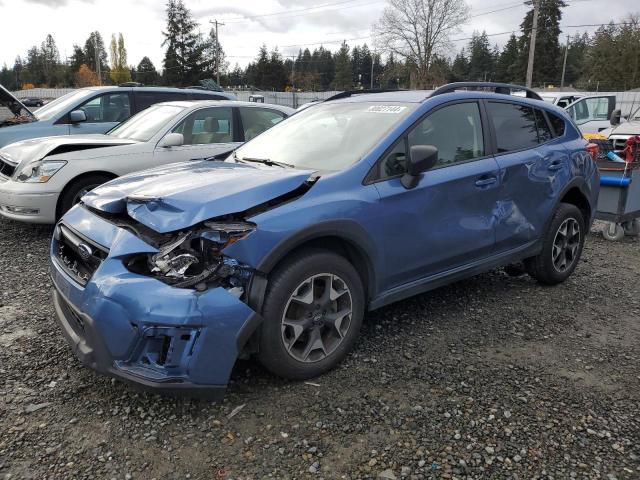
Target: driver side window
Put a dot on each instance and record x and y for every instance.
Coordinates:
(111, 107)
(207, 126)
(455, 130)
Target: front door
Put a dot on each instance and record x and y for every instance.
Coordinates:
(103, 113)
(207, 132)
(447, 220)
(593, 114)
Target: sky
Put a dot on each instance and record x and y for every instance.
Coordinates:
(288, 24)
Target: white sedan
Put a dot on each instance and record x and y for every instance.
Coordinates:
(42, 178)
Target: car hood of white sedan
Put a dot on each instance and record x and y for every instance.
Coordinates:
(39, 148)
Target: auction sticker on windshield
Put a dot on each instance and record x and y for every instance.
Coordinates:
(385, 108)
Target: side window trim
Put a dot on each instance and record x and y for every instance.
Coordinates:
(373, 176)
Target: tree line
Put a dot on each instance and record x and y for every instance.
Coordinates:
(608, 59)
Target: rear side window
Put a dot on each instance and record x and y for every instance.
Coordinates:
(544, 132)
(515, 126)
(146, 99)
(557, 123)
(257, 120)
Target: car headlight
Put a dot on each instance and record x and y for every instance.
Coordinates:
(40, 171)
(194, 259)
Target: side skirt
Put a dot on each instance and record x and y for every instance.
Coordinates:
(443, 278)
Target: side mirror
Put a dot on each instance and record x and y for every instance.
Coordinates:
(616, 115)
(171, 140)
(77, 116)
(421, 159)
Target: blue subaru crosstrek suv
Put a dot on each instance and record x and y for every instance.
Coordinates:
(165, 277)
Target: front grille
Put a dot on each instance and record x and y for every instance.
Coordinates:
(6, 169)
(78, 257)
(619, 143)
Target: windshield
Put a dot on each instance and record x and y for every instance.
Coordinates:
(329, 136)
(61, 104)
(144, 125)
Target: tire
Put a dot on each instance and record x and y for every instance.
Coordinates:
(613, 232)
(72, 192)
(283, 344)
(560, 251)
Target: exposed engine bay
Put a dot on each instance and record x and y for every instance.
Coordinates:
(194, 259)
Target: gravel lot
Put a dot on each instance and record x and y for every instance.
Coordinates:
(492, 377)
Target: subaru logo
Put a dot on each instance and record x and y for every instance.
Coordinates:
(84, 251)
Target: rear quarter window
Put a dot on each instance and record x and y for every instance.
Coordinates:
(557, 123)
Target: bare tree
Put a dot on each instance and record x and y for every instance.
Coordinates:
(417, 30)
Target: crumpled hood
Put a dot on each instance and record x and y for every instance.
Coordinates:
(38, 148)
(180, 195)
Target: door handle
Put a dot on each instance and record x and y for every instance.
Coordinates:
(556, 165)
(485, 181)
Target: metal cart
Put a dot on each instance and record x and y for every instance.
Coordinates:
(619, 200)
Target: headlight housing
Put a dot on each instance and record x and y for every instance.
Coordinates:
(194, 259)
(40, 171)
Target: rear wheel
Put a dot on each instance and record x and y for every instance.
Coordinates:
(561, 248)
(312, 314)
(77, 189)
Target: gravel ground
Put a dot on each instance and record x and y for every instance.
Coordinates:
(492, 377)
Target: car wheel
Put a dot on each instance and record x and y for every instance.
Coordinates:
(312, 314)
(613, 232)
(561, 247)
(77, 189)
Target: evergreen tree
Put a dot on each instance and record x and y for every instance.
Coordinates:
(576, 57)
(183, 62)
(50, 58)
(460, 68)
(95, 39)
(481, 59)
(507, 65)
(343, 79)
(77, 58)
(146, 72)
(214, 57)
(548, 60)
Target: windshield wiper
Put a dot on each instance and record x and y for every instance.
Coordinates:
(266, 161)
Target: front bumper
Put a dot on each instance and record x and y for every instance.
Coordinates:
(142, 331)
(27, 206)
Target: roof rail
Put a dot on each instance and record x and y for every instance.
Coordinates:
(348, 93)
(502, 88)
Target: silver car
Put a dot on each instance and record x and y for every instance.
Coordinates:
(40, 179)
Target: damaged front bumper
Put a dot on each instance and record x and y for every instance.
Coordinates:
(137, 328)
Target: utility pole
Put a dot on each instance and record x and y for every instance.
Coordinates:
(217, 53)
(564, 64)
(97, 50)
(373, 56)
(532, 39)
(293, 81)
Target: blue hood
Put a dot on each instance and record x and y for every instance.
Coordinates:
(178, 196)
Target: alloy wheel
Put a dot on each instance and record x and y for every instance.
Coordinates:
(566, 245)
(316, 317)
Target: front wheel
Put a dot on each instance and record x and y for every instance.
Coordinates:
(312, 314)
(77, 189)
(561, 247)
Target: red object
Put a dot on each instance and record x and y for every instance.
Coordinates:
(632, 149)
(593, 150)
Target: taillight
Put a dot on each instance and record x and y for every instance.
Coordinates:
(593, 150)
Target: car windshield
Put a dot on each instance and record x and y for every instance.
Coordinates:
(61, 104)
(144, 125)
(329, 137)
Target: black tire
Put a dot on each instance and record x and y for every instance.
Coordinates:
(288, 280)
(69, 196)
(542, 267)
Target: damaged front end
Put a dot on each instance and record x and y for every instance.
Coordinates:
(195, 259)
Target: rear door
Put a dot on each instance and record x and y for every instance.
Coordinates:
(144, 99)
(207, 132)
(593, 114)
(533, 163)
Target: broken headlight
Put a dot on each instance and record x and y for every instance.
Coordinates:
(39, 172)
(194, 259)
